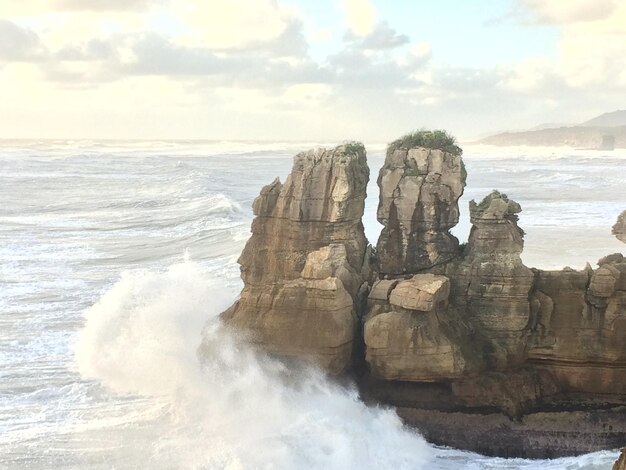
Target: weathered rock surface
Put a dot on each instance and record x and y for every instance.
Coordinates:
(402, 333)
(419, 190)
(302, 265)
(494, 281)
(422, 292)
(621, 461)
(320, 203)
(477, 350)
(579, 331)
(619, 229)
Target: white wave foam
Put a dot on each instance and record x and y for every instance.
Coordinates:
(239, 409)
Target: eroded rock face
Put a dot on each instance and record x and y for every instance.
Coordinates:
(403, 337)
(621, 461)
(579, 331)
(494, 283)
(619, 229)
(455, 340)
(423, 292)
(419, 190)
(320, 203)
(302, 265)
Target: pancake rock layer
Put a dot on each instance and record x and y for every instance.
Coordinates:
(302, 265)
(474, 348)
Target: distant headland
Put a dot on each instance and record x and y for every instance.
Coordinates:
(604, 132)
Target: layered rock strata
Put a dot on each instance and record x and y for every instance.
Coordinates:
(403, 336)
(419, 190)
(494, 283)
(302, 265)
(475, 349)
(621, 461)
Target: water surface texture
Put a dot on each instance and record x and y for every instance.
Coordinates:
(115, 255)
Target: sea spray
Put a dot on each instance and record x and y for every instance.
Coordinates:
(235, 407)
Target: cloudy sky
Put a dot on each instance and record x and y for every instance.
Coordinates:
(305, 69)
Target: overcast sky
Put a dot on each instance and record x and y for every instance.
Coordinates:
(305, 69)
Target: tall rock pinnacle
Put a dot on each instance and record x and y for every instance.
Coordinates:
(419, 192)
(301, 266)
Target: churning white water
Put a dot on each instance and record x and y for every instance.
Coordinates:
(234, 408)
(102, 313)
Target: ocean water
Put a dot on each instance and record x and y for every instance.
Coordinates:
(117, 257)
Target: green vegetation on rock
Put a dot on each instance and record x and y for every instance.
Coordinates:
(352, 147)
(437, 139)
(486, 202)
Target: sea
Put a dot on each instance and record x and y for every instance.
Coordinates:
(116, 259)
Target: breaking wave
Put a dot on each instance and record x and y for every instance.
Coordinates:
(234, 408)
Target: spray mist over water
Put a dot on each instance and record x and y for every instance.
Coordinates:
(226, 405)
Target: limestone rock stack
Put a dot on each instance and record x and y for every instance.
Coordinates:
(419, 190)
(495, 282)
(302, 265)
(474, 348)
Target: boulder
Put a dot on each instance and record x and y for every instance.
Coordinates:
(423, 292)
(404, 338)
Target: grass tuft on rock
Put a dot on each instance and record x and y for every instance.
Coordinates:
(352, 147)
(486, 202)
(437, 139)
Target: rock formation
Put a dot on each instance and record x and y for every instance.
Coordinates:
(495, 282)
(619, 229)
(302, 265)
(580, 326)
(475, 349)
(419, 190)
(403, 336)
(621, 461)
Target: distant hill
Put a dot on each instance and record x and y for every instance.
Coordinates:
(613, 119)
(550, 125)
(605, 132)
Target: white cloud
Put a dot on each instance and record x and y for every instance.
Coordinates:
(591, 48)
(360, 16)
(19, 44)
(570, 11)
(527, 76)
(421, 50)
(381, 37)
(13, 8)
(232, 24)
(185, 68)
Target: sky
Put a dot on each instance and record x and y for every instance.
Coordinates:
(314, 70)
